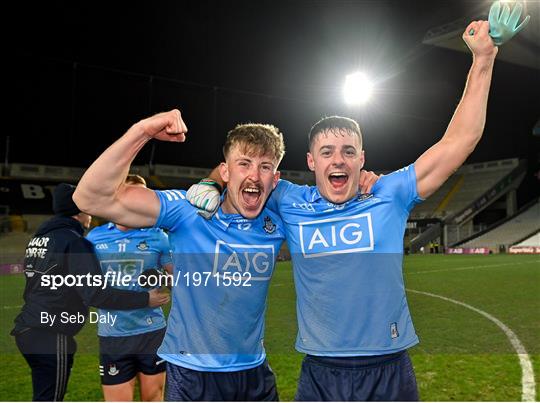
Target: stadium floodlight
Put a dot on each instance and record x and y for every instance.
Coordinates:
(357, 89)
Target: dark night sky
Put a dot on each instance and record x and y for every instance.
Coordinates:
(85, 72)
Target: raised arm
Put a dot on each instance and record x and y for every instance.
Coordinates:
(467, 125)
(102, 191)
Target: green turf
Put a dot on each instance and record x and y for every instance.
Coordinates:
(462, 355)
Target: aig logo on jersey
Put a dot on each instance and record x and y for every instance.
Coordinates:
(258, 260)
(124, 267)
(336, 235)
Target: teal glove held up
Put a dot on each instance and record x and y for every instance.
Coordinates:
(503, 24)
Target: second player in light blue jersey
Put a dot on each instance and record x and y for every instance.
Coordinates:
(347, 248)
(347, 261)
(129, 339)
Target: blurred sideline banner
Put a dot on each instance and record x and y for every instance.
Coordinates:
(468, 251)
(524, 249)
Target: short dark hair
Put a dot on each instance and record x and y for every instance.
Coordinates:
(334, 123)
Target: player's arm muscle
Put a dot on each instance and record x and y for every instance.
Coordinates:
(102, 191)
(467, 125)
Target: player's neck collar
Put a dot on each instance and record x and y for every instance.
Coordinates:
(318, 196)
(226, 220)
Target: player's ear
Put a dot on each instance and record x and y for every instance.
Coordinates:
(362, 159)
(277, 175)
(310, 162)
(224, 171)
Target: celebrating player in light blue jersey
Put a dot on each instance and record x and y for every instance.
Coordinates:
(128, 343)
(347, 248)
(222, 267)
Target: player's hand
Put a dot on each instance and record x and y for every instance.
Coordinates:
(157, 298)
(503, 25)
(477, 38)
(205, 196)
(366, 181)
(166, 126)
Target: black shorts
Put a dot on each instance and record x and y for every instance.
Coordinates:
(249, 385)
(373, 378)
(121, 358)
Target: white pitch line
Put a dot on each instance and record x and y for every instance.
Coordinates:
(528, 384)
(486, 266)
(11, 306)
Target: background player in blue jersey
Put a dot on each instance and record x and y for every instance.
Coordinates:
(222, 266)
(353, 319)
(59, 249)
(128, 347)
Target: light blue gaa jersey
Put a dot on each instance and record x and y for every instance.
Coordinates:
(347, 263)
(217, 324)
(129, 253)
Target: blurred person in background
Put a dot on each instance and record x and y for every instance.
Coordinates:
(51, 316)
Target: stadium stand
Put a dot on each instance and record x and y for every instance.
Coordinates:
(531, 241)
(446, 217)
(13, 245)
(472, 189)
(4, 219)
(511, 231)
(429, 208)
(464, 187)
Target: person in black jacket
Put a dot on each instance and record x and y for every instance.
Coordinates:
(63, 279)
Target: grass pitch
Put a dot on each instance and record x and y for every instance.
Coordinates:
(462, 354)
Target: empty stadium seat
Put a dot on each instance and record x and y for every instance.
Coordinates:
(510, 232)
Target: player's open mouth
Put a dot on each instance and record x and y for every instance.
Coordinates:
(338, 179)
(251, 196)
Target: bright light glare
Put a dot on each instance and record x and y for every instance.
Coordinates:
(357, 89)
